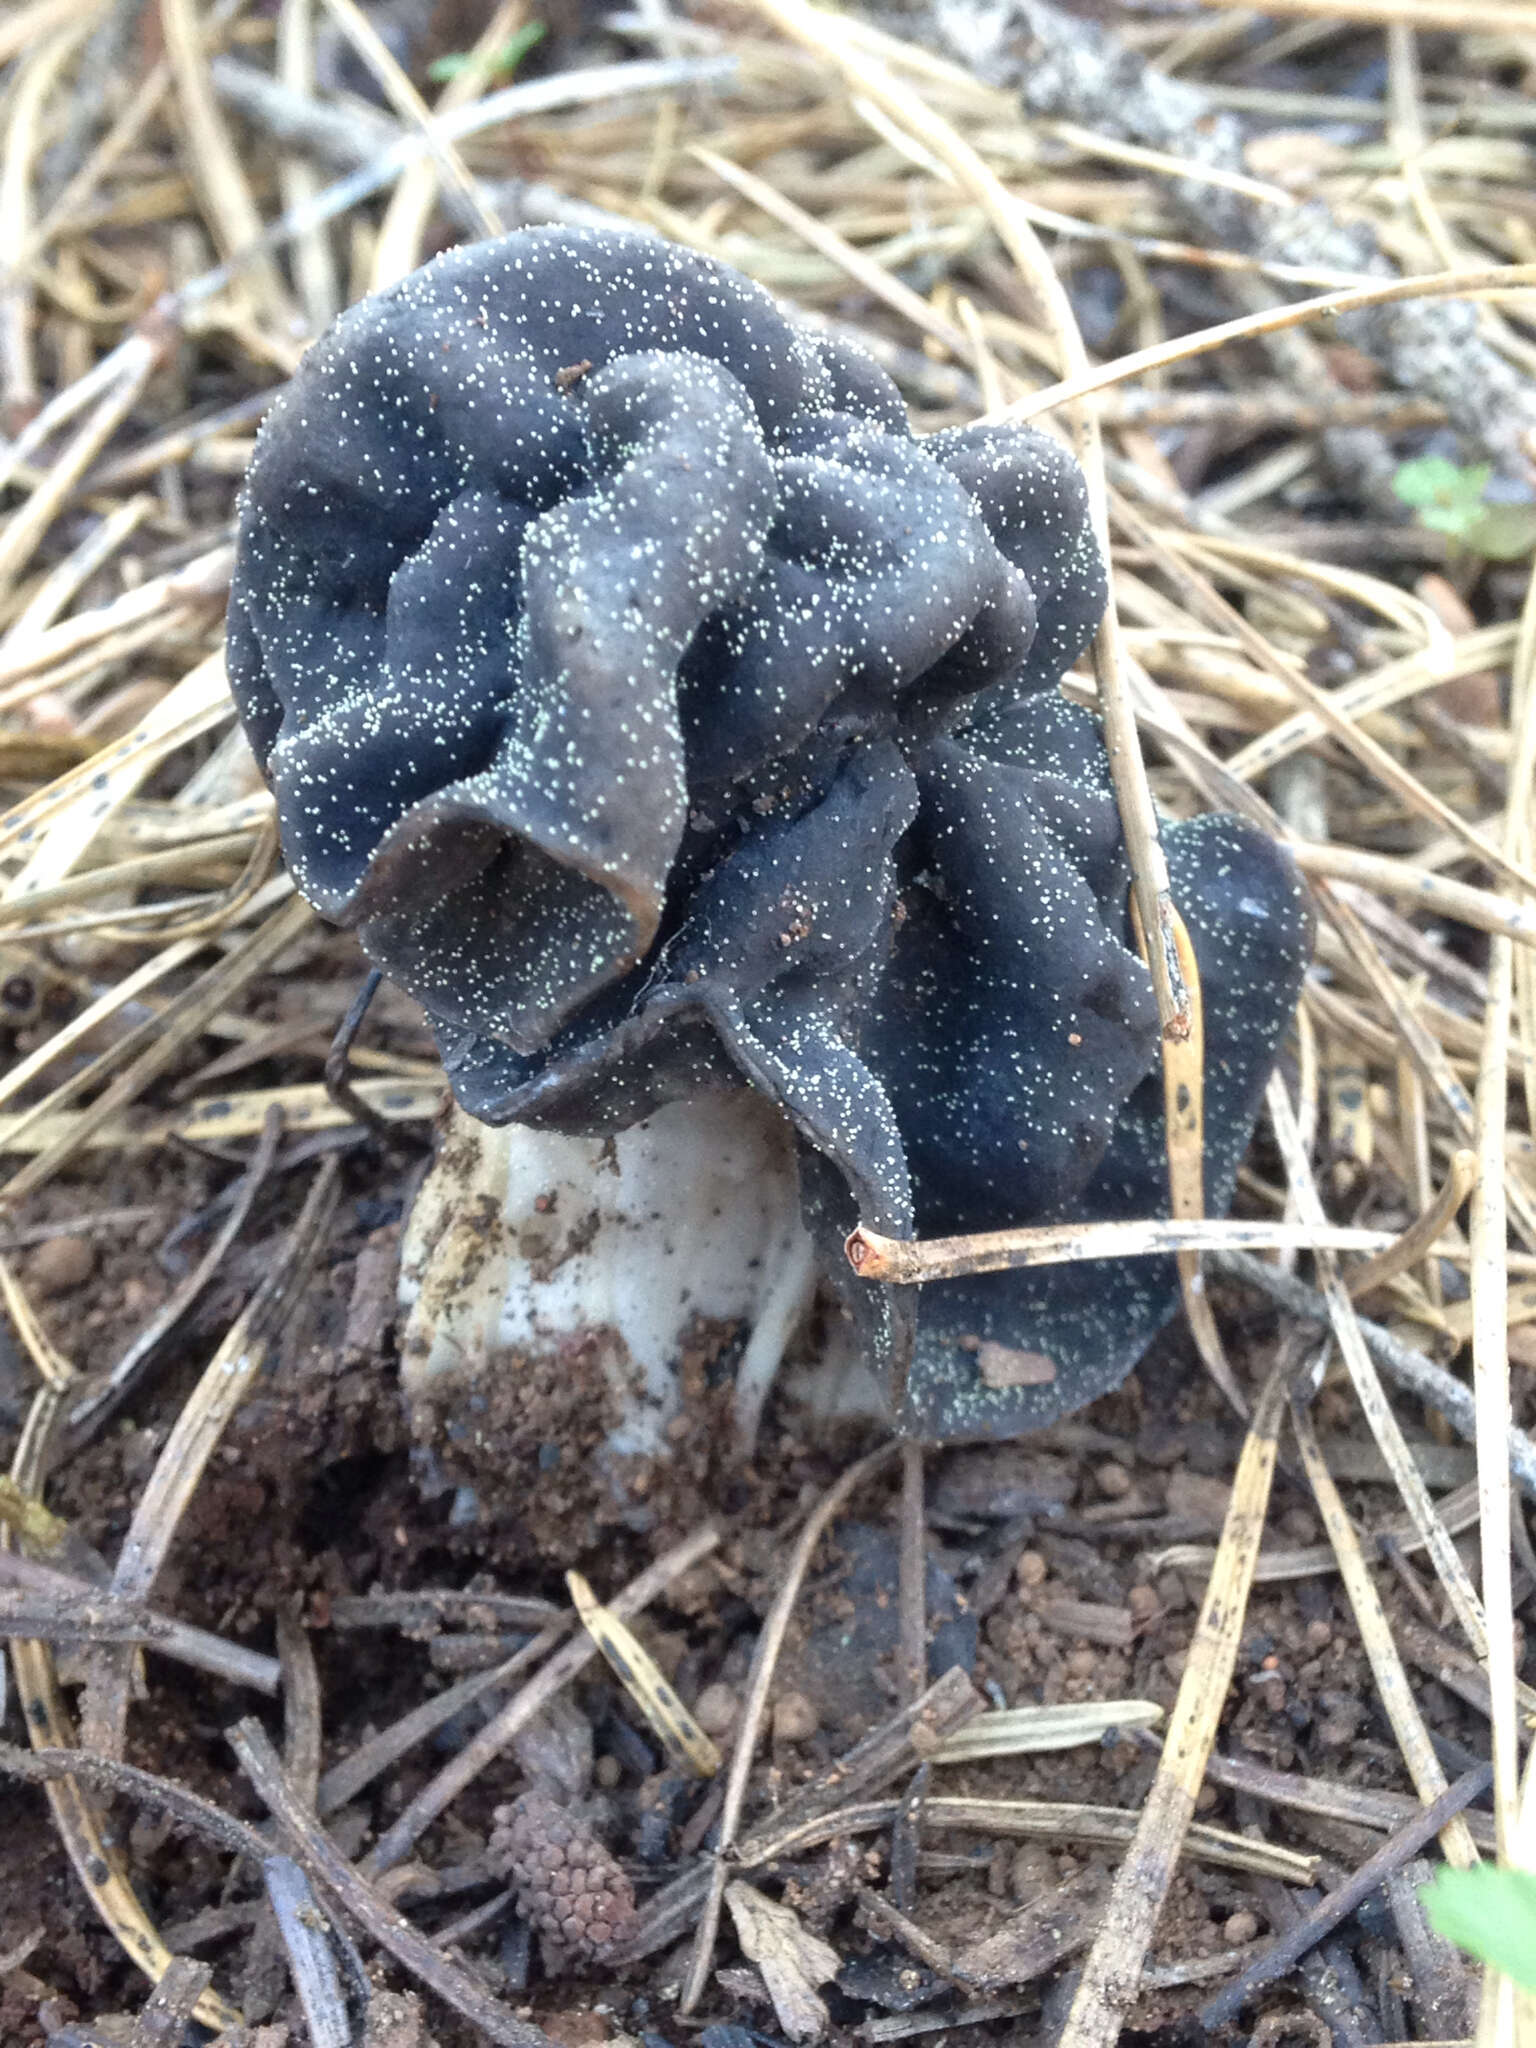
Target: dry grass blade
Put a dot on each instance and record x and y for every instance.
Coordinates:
(218, 173)
(30, 24)
(76, 806)
(1024, 1731)
(1208, 603)
(303, 1730)
(178, 1471)
(1458, 1511)
(318, 1856)
(403, 96)
(314, 265)
(168, 866)
(310, 1958)
(816, 1812)
(1418, 1240)
(640, 1675)
(1184, 1128)
(93, 1408)
(873, 277)
(1489, 1276)
(1392, 1686)
(93, 1850)
(181, 1020)
(1383, 1811)
(759, 1679)
(1397, 682)
(58, 1607)
(1480, 908)
(26, 669)
(355, 1773)
(1368, 1389)
(1112, 1973)
(26, 526)
(1421, 1046)
(64, 581)
(1408, 1368)
(54, 1369)
(409, 213)
(1505, 18)
(38, 74)
(912, 1262)
(1476, 282)
(1043, 1820)
(216, 1121)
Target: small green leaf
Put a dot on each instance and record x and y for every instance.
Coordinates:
(1435, 480)
(1456, 520)
(1504, 533)
(1491, 1914)
(503, 64)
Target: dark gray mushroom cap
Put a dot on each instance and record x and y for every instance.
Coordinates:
(664, 716)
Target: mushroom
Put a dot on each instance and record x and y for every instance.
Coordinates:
(684, 734)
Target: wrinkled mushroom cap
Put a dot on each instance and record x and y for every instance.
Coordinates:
(665, 717)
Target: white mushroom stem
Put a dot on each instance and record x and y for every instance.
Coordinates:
(522, 1241)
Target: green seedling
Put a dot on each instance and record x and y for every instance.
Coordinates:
(1491, 1914)
(503, 64)
(1449, 499)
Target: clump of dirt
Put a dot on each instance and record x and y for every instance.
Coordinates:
(524, 1441)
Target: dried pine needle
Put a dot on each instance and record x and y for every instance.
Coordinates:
(641, 1677)
(1027, 1731)
(911, 1262)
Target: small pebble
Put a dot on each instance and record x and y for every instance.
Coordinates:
(1319, 1635)
(1241, 1928)
(607, 1771)
(61, 1264)
(715, 1709)
(1174, 1663)
(1033, 1872)
(1031, 1569)
(1300, 1525)
(1143, 1602)
(1198, 1497)
(1205, 1798)
(795, 1718)
(1114, 1481)
(1082, 1663)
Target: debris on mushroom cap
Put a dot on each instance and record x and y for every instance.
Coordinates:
(687, 722)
